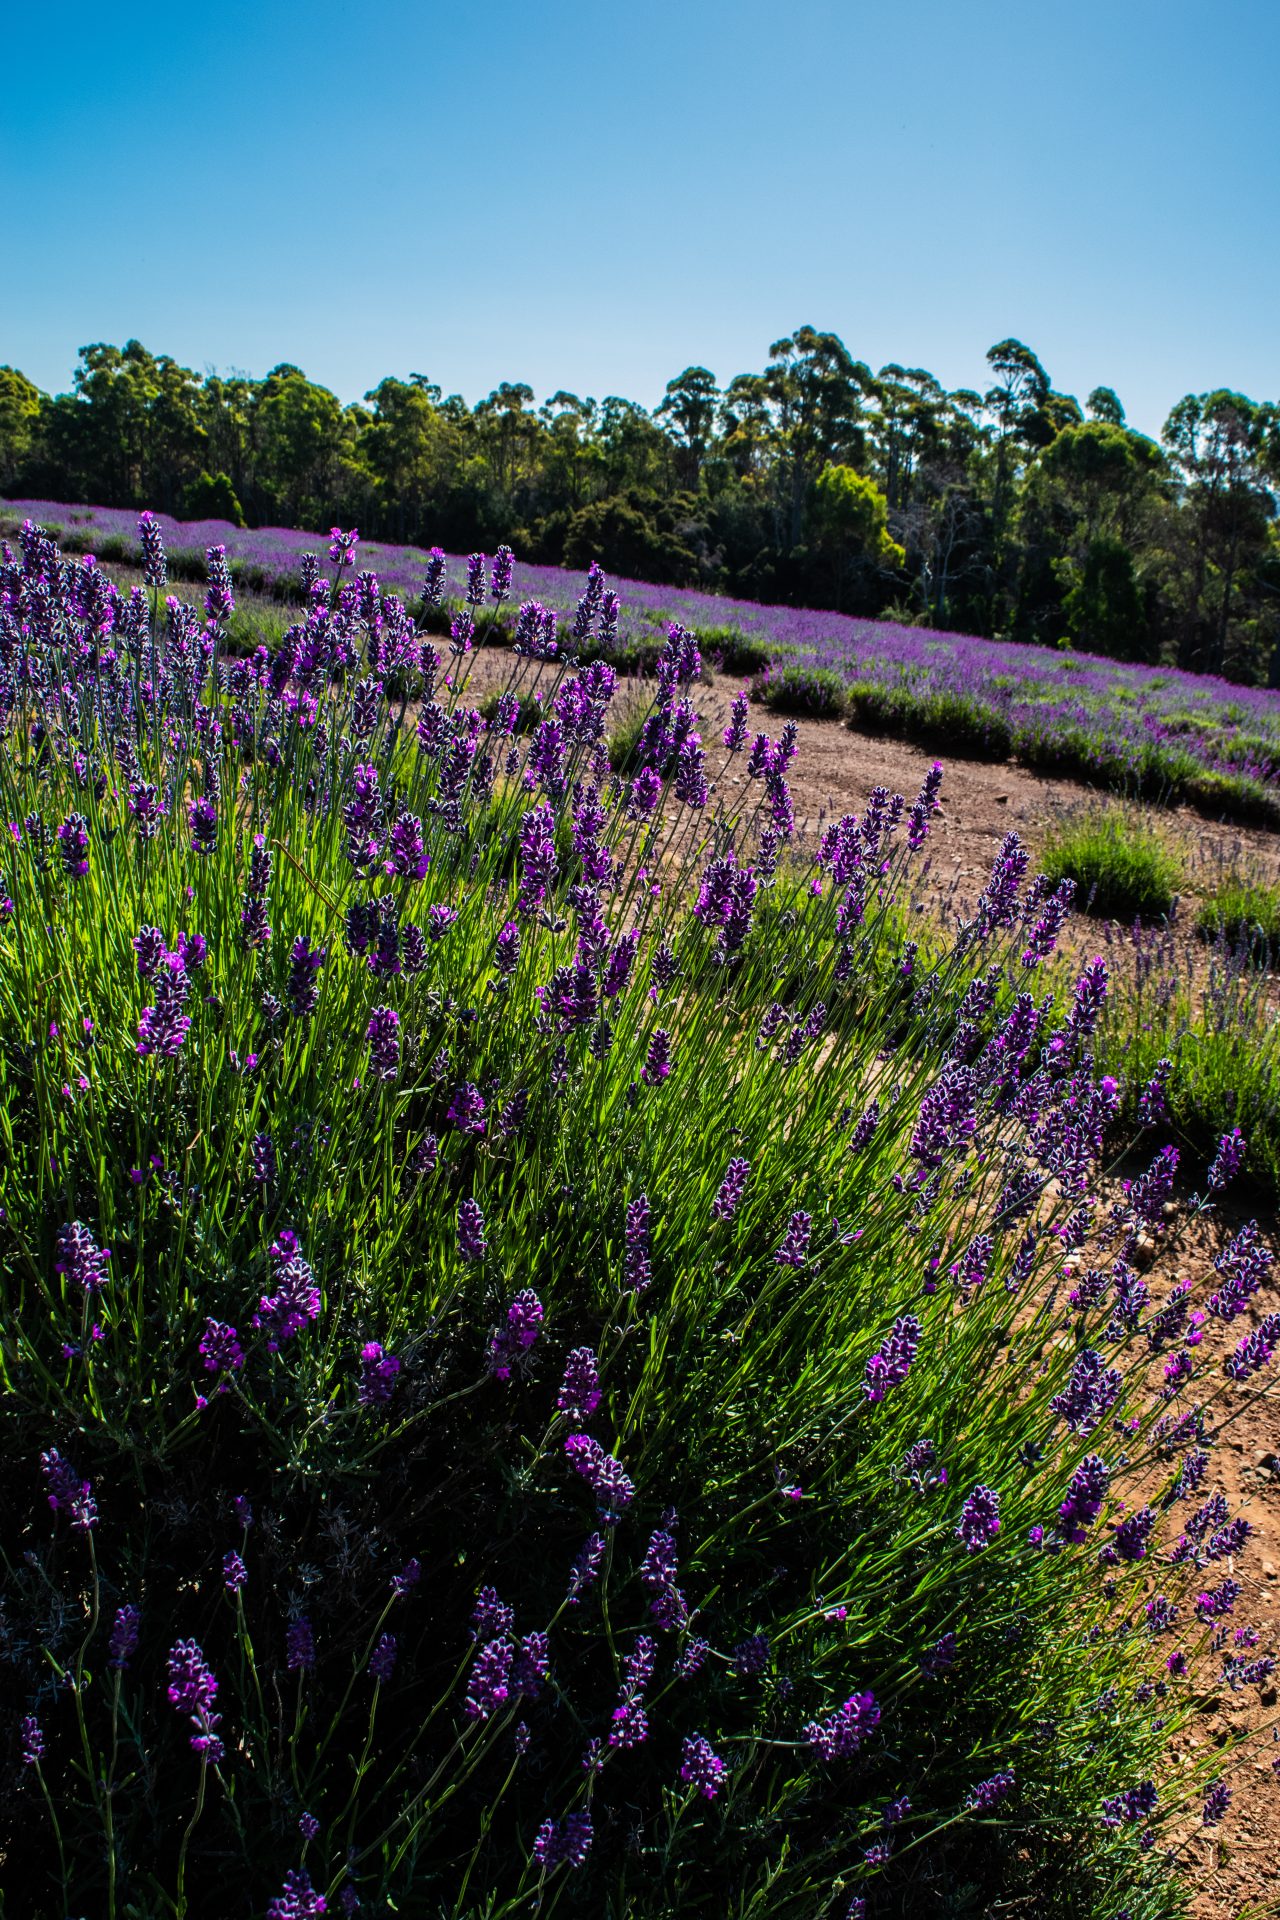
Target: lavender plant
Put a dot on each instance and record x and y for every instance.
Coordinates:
(536, 1349)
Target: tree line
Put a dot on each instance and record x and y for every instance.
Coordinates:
(1010, 511)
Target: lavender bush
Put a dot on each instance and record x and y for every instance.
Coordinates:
(536, 1349)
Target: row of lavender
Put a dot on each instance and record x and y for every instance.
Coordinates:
(1163, 732)
(537, 1354)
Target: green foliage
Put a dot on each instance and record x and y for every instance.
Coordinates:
(852, 518)
(1245, 914)
(627, 717)
(1122, 865)
(819, 691)
(733, 651)
(1104, 607)
(212, 497)
(1221, 1035)
(932, 717)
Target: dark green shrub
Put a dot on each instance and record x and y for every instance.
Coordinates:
(813, 690)
(212, 497)
(732, 651)
(1122, 868)
(1232, 796)
(966, 725)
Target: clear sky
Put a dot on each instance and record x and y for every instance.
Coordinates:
(594, 196)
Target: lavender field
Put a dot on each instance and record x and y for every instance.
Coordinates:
(537, 1367)
(1165, 735)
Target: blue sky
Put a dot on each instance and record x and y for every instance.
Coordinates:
(595, 196)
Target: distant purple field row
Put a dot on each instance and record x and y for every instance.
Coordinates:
(1158, 731)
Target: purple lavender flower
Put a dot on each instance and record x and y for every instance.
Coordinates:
(636, 1269)
(202, 818)
(979, 1519)
(299, 1901)
(891, 1363)
(735, 734)
(658, 1059)
(1084, 1497)
(538, 861)
(843, 1732)
(531, 1667)
(506, 950)
(235, 1574)
(579, 1394)
(305, 962)
(1133, 1535)
(219, 603)
(795, 1247)
(296, 1300)
(490, 1684)
(262, 1160)
(466, 1110)
(163, 1027)
(732, 1188)
(1090, 1393)
(73, 846)
(383, 1036)
(586, 1568)
(940, 1657)
(492, 1617)
(382, 1661)
(1216, 1802)
(299, 1645)
(192, 1690)
(702, 1769)
(155, 572)
(123, 1641)
(220, 1348)
(644, 794)
(149, 945)
(308, 1826)
(434, 578)
(630, 1722)
(378, 1372)
(1149, 1193)
(147, 808)
(563, 1843)
(1255, 1350)
(520, 1333)
(1153, 1106)
(1218, 1601)
(32, 1741)
(603, 1473)
(472, 1244)
(67, 1492)
(1244, 1261)
(989, 1793)
(405, 848)
(84, 1264)
(1228, 1160)
(407, 1579)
